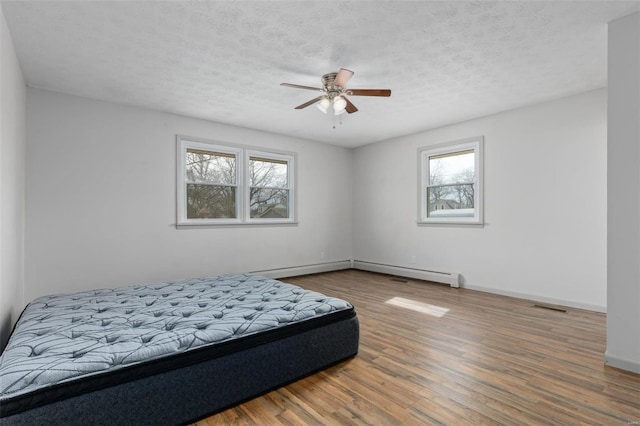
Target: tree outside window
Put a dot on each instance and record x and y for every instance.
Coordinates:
(211, 184)
(269, 188)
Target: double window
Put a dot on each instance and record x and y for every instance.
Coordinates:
(451, 182)
(224, 184)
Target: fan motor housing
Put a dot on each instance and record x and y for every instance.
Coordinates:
(327, 83)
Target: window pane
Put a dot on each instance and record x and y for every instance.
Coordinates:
(269, 203)
(452, 168)
(267, 173)
(450, 200)
(211, 202)
(213, 167)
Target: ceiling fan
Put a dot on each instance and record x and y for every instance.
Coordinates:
(334, 93)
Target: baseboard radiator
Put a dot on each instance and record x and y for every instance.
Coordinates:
(305, 269)
(451, 278)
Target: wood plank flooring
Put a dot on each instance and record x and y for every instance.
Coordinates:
(488, 359)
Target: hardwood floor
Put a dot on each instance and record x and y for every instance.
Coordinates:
(468, 358)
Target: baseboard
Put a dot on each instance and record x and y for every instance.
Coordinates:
(535, 298)
(621, 363)
(451, 278)
(305, 270)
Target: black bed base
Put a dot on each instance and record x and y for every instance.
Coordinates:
(189, 393)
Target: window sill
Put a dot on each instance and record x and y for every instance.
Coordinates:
(268, 224)
(472, 224)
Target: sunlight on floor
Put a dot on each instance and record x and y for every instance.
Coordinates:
(425, 308)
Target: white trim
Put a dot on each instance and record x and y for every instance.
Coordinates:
(621, 363)
(477, 145)
(451, 278)
(305, 270)
(537, 298)
(242, 154)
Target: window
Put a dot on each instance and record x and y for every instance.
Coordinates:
(268, 186)
(211, 183)
(451, 182)
(225, 185)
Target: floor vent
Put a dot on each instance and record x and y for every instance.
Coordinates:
(400, 280)
(552, 308)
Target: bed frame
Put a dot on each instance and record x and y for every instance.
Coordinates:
(192, 384)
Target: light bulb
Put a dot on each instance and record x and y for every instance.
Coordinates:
(339, 104)
(323, 105)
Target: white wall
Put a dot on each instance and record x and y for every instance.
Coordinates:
(101, 200)
(12, 187)
(623, 296)
(545, 204)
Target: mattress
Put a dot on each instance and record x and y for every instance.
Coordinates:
(75, 350)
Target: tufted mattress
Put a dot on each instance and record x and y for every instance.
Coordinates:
(167, 353)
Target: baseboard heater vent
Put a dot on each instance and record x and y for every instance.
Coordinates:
(304, 270)
(551, 308)
(451, 278)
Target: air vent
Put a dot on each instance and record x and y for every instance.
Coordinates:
(551, 308)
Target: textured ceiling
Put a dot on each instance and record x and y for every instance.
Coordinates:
(224, 60)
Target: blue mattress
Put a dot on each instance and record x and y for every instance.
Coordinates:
(70, 344)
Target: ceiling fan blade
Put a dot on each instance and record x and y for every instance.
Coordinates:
(369, 92)
(311, 102)
(350, 108)
(297, 86)
(343, 76)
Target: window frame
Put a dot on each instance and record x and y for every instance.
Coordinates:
(242, 154)
(290, 160)
(475, 144)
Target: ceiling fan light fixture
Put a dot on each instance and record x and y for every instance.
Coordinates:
(334, 91)
(339, 104)
(324, 104)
